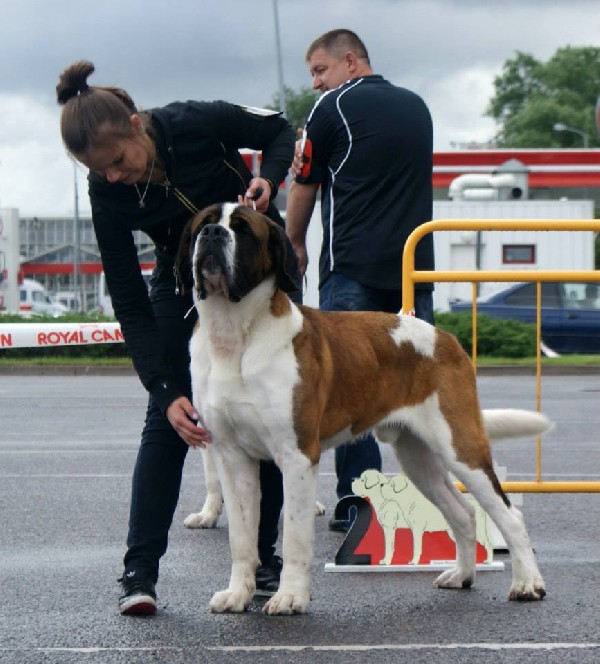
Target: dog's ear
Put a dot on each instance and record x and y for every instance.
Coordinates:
(371, 478)
(399, 483)
(183, 260)
(283, 256)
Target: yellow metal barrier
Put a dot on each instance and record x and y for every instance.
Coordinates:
(410, 276)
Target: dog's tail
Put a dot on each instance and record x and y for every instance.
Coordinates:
(514, 423)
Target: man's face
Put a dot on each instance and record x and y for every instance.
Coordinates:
(327, 72)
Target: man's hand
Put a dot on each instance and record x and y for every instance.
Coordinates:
(185, 419)
(302, 256)
(298, 161)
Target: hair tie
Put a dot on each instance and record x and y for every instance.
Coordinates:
(83, 88)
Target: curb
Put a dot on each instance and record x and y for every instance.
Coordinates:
(93, 370)
(64, 370)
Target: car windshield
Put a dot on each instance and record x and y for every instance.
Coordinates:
(585, 296)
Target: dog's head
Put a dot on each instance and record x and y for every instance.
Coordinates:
(230, 249)
(369, 481)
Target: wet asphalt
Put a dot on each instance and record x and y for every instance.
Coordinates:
(67, 449)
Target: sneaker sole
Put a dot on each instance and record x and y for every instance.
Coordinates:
(143, 605)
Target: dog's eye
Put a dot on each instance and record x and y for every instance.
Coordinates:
(242, 229)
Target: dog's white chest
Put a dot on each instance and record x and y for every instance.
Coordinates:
(244, 390)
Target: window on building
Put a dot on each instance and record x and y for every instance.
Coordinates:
(518, 253)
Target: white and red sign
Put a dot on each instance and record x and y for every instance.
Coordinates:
(45, 335)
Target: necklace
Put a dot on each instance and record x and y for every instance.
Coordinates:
(143, 196)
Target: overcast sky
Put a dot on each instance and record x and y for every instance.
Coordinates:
(448, 51)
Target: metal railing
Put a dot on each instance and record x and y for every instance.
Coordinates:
(410, 276)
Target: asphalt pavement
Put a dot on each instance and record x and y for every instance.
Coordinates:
(67, 449)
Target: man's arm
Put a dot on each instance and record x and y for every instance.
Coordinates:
(300, 206)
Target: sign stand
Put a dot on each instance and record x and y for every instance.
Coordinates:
(396, 529)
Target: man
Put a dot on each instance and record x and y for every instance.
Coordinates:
(368, 144)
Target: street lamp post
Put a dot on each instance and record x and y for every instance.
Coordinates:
(281, 85)
(76, 239)
(559, 126)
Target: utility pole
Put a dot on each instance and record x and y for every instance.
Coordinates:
(76, 241)
(279, 60)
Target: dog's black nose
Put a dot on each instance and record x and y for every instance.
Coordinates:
(213, 231)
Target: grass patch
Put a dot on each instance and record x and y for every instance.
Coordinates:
(5, 359)
(563, 360)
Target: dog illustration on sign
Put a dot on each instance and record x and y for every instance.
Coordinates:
(397, 503)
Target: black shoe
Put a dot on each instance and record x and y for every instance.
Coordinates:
(267, 577)
(139, 596)
(339, 525)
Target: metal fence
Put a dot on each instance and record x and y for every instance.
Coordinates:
(410, 276)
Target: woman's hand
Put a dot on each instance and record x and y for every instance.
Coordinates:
(185, 419)
(262, 202)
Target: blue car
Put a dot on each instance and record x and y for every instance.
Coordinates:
(570, 312)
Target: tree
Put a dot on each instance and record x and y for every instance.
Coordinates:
(531, 97)
(297, 104)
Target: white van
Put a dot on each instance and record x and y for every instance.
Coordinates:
(34, 300)
(69, 299)
(105, 306)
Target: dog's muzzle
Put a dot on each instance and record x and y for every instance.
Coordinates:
(212, 265)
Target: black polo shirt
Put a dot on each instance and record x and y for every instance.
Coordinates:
(372, 153)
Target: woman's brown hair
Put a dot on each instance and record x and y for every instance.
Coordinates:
(91, 115)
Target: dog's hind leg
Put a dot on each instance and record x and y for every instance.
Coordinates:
(299, 491)
(213, 503)
(240, 481)
(427, 472)
(527, 583)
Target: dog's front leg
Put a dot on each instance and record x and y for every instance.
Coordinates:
(417, 534)
(299, 490)
(239, 475)
(389, 537)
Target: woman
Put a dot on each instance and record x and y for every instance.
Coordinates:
(151, 171)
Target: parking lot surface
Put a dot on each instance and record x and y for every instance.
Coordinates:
(67, 449)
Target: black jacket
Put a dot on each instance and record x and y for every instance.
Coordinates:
(199, 143)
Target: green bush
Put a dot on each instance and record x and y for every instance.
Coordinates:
(92, 351)
(495, 337)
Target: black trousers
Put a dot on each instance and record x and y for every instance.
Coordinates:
(158, 469)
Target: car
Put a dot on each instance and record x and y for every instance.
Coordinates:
(570, 312)
(69, 299)
(34, 300)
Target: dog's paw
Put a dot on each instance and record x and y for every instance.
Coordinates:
(287, 603)
(209, 515)
(455, 578)
(230, 601)
(533, 591)
(202, 519)
(319, 509)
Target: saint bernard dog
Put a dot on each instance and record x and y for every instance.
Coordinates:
(274, 380)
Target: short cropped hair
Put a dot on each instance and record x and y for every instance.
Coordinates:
(338, 42)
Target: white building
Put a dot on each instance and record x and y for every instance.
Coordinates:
(503, 250)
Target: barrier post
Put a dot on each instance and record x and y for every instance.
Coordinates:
(410, 276)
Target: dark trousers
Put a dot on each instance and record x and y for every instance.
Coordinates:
(339, 293)
(157, 475)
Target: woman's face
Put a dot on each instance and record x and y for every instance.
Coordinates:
(125, 160)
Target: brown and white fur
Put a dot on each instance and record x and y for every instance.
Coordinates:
(273, 380)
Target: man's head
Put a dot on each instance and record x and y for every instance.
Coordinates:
(336, 57)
